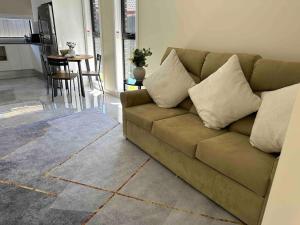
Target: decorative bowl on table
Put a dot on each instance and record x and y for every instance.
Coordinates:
(64, 52)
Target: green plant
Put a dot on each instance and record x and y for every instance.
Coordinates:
(140, 56)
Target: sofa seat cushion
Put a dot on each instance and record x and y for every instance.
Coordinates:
(183, 132)
(232, 155)
(244, 125)
(144, 115)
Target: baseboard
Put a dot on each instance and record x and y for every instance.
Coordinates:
(113, 93)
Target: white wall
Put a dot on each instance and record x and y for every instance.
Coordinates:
(15, 8)
(108, 45)
(270, 27)
(19, 57)
(284, 201)
(69, 24)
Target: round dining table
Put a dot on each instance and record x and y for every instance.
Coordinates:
(77, 59)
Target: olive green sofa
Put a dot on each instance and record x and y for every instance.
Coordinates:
(219, 163)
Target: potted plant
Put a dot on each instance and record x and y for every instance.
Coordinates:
(139, 60)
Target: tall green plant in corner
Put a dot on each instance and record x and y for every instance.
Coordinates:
(139, 59)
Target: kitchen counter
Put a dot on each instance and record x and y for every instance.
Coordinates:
(21, 56)
(8, 41)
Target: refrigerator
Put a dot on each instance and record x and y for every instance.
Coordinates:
(47, 30)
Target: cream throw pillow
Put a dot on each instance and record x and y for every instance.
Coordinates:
(169, 84)
(225, 96)
(269, 129)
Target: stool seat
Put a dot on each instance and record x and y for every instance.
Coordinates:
(61, 75)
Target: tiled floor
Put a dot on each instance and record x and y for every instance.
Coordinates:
(24, 96)
(144, 191)
(109, 181)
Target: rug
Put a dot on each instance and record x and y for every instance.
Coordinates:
(28, 151)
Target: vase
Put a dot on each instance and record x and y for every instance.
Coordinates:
(71, 52)
(139, 73)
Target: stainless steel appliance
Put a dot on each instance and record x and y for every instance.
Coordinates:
(47, 30)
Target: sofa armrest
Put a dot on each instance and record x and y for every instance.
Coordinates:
(134, 98)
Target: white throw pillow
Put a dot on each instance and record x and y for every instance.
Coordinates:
(269, 129)
(225, 96)
(169, 84)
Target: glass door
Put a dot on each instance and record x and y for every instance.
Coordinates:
(95, 15)
(128, 14)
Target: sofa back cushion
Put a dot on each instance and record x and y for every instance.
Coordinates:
(269, 75)
(191, 59)
(214, 61)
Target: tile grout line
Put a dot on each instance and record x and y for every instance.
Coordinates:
(163, 205)
(133, 175)
(80, 150)
(114, 193)
(91, 216)
(18, 185)
(81, 184)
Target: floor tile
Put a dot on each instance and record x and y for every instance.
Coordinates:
(12, 138)
(19, 206)
(79, 198)
(107, 163)
(156, 183)
(125, 211)
(23, 113)
(26, 99)
(7, 96)
(72, 206)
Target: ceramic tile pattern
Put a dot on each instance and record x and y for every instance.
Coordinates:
(109, 162)
(52, 172)
(156, 183)
(125, 211)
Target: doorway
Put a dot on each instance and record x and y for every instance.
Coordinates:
(128, 23)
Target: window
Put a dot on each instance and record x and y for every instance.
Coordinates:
(12, 28)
